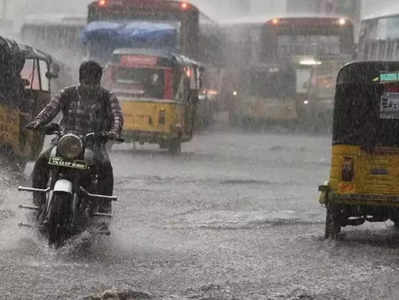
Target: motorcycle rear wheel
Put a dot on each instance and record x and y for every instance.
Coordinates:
(58, 219)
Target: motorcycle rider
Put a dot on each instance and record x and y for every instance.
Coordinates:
(85, 108)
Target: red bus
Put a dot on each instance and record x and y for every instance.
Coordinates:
(196, 33)
(319, 37)
(284, 49)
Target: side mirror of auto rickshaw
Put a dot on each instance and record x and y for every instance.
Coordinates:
(26, 82)
(51, 75)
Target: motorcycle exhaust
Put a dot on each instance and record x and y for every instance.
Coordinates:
(102, 215)
(98, 196)
(26, 225)
(31, 207)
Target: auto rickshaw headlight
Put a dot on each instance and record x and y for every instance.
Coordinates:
(70, 146)
(347, 169)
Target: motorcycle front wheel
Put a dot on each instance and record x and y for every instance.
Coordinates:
(58, 216)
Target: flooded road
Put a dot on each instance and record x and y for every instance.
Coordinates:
(233, 217)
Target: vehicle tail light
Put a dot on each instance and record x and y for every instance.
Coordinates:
(102, 3)
(347, 169)
(162, 117)
(184, 5)
(275, 21)
(342, 21)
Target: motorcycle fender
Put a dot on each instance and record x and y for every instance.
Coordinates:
(53, 152)
(89, 157)
(63, 185)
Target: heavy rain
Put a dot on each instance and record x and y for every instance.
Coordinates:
(230, 149)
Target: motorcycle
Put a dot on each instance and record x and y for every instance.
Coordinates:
(72, 199)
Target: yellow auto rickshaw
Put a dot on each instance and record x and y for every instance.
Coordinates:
(24, 91)
(158, 92)
(364, 177)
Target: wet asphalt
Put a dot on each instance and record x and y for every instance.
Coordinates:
(235, 216)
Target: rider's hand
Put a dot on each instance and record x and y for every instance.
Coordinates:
(35, 124)
(112, 135)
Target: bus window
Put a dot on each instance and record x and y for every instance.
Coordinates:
(388, 28)
(289, 45)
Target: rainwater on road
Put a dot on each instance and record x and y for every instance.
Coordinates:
(235, 216)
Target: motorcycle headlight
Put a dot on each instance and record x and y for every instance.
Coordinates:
(70, 146)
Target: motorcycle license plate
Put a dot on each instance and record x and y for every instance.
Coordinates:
(59, 162)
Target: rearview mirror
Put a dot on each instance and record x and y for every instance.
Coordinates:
(51, 75)
(26, 82)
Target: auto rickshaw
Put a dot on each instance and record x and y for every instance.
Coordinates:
(364, 177)
(24, 91)
(158, 92)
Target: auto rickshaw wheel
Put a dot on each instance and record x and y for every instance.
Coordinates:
(395, 222)
(333, 221)
(174, 147)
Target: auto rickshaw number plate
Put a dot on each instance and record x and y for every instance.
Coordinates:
(389, 106)
(59, 162)
(389, 77)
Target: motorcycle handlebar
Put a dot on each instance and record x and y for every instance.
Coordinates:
(55, 128)
(105, 135)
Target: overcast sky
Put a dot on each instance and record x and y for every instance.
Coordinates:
(17, 8)
(380, 6)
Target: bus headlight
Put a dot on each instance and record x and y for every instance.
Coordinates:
(70, 146)
(342, 22)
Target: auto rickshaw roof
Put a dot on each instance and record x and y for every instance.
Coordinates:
(30, 52)
(365, 72)
(170, 56)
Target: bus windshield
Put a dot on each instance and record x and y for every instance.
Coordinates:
(269, 83)
(143, 82)
(316, 45)
(315, 37)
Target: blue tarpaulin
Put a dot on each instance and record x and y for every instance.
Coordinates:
(131, 35)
